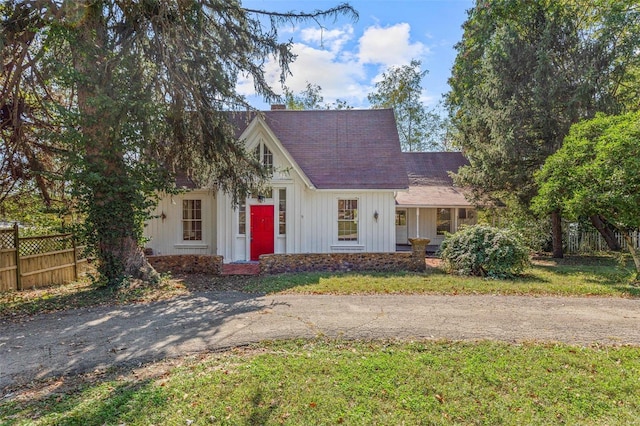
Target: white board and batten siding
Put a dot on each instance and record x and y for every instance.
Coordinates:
(312, 223)
(164, 231)
(319, 222)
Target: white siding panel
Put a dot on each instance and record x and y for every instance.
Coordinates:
(164, 231)
(320, 222)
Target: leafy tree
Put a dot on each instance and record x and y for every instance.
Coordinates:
(527, 70)
(128, 91)
(311, 98)
(597, 172)
(401, 89)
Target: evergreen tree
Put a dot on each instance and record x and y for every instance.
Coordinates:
(128, 91)
(524, 73)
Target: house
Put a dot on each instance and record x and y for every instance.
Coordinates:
(432, 206)
(333, 189)
(339, 185)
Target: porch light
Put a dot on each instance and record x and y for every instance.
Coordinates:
(376, 215)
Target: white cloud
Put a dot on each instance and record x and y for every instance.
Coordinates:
(389, 46)
(334, 40)
(342, 68)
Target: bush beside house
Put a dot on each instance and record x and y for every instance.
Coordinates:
(484, 251)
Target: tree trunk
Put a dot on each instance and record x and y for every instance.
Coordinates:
(606, 232)
(634, 253)
(110, 194)
(556, 234)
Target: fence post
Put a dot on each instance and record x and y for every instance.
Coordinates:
(75, 256)
(16, 244)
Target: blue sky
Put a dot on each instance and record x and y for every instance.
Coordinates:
(347, 58)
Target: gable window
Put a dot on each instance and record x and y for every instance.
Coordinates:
(192, 220)
(264, 155)
(443, 221)
(282, 211)
(347, 220)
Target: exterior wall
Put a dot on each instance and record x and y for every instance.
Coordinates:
(164, 231)
(319, 222)
(312, 222)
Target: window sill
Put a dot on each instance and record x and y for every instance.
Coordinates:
(187, 246)
(347, 247)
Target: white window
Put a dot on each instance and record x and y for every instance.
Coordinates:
(242, 218)
(282, 211)
(192, 220)
(443, 221)
(264, 155)
(347, 220)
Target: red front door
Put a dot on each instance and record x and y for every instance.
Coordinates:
(261, 231)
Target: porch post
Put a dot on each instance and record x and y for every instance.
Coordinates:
(417, 222)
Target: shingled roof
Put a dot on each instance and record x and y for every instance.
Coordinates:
(429, 182)
(339, 149)
(432, 168)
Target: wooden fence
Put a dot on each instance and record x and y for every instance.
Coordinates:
(28, 262)
(588, 241)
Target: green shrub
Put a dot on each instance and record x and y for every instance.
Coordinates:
(484, 251)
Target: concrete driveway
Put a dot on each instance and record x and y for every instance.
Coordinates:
(95, 338)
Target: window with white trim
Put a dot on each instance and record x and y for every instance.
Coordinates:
(192, 220)
(282, 211)
(347, 220)
(242, 218)
(264, 155)
(443, 221)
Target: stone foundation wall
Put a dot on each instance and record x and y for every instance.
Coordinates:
(343, 262)
(187, 264)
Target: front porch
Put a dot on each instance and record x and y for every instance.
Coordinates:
(414, 221)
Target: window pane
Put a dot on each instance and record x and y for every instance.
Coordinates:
(347, 220)
(443, 222)
(282, 211)
(242, 218)
(192, 220)
(267, 157)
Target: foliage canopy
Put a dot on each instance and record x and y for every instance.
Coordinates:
(525, 72)
(597, 172)
(117, 95)
(400, 88)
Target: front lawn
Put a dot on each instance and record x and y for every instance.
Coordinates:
(353, 383)
(574, 276)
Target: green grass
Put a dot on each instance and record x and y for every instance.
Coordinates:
(338, 382)
(573, 276)
(581, 277)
